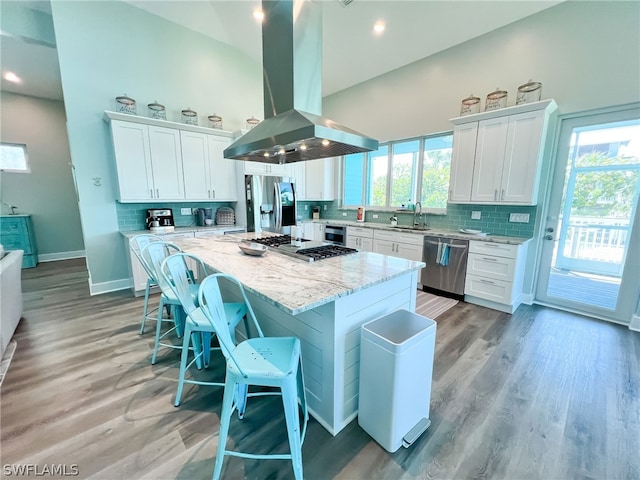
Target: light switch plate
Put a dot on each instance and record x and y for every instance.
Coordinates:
(475, 215)
(185, 211)
(375, 215)
(519, 217)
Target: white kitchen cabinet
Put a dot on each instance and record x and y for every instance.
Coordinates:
(259, 168)
(148, 162)
(501, 162)
(398, 244)
(495, 274)
(207, 174)
(158, 160)
(462, 159)
(313, 231)
(298, 172)
(318, 232)
(360, 238)
(319, 179)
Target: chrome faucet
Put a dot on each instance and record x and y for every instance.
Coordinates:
(417, 224)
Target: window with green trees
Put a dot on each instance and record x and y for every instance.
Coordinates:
(399, 173)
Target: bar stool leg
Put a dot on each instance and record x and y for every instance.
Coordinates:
(158, 329)
(290, 403)
(225, 418)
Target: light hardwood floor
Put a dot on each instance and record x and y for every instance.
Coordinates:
(540, 394)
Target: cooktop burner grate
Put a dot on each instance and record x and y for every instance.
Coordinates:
(326, 251)
(275, 241)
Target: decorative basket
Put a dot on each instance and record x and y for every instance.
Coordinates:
(225, 216)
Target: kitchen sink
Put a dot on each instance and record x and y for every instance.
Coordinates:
(409, 227)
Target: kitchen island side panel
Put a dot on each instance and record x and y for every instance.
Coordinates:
(330, 341)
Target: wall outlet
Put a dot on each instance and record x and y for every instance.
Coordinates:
(344, 214)
(375, 215)
(306, 207)
(325, 207)
(519, 217)
(185, 211)
(475, 215)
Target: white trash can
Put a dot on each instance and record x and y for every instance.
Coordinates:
(396, 366)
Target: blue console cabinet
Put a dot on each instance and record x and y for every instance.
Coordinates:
(16, 233)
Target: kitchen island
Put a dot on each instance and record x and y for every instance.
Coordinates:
(323, 303)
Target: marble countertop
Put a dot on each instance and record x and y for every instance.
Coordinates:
(291, 284)
(433, 232)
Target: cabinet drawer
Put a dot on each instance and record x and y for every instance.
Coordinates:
(498, 268)
(491, 248)
(410, 238)
(360, 232)
(384, 235)
(495, 290)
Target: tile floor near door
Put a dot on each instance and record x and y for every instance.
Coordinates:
(539, 394)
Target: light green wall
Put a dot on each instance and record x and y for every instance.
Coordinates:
(47, 192)
(110, 48)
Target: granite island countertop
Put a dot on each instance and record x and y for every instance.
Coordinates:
(295, 285)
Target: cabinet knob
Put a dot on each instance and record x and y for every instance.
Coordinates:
(550, 229)
(548, 237)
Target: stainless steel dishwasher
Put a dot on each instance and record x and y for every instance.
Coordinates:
(446, 260)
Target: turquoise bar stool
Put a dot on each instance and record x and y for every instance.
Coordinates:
(154, 254)
(261, 361)
(198, 329)
(136, 244)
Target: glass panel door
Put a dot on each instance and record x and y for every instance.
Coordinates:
(588, 251)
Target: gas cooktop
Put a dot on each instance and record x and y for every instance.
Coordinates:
(308, 251)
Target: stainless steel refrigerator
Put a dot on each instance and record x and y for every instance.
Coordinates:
(271, 203)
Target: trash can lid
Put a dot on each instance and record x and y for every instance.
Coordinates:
(399, 330)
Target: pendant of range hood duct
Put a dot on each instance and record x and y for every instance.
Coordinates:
(293, 129)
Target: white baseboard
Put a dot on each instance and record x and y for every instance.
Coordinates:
(635, 323)
(527, 298)
(54, 257)
(106, 287)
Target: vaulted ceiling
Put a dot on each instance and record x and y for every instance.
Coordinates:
(352, 52)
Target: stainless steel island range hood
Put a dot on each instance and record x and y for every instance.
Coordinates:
(293, 129)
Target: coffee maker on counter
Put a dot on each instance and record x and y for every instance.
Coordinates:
(160, 220)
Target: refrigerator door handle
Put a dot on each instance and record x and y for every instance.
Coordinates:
(278, 206)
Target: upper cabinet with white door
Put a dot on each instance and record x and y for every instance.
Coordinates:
(157, 160)
(315, 179)
(207, 174)
(148, 162)
(259, 168)
(319, 179)
(497, 155)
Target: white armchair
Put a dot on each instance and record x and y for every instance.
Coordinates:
(10, 296)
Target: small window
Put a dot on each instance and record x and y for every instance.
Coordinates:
(13, 158)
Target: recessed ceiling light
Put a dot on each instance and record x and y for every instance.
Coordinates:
(378, 27)
(258, 14)
(12, 77)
